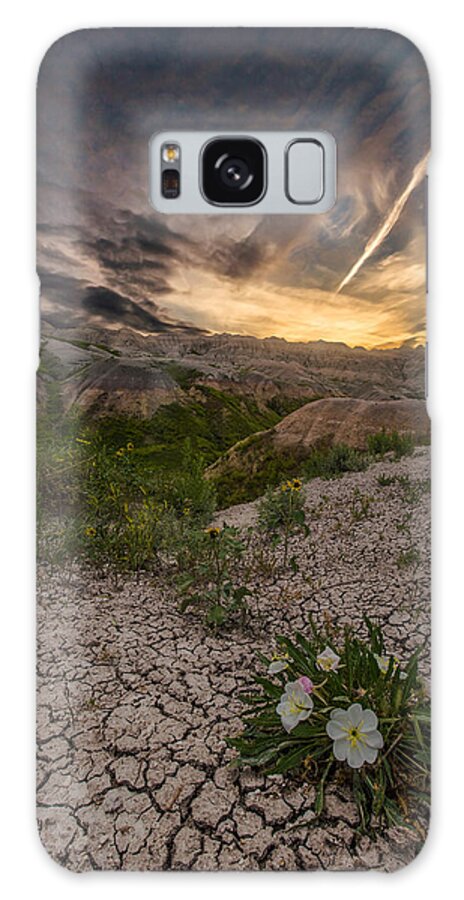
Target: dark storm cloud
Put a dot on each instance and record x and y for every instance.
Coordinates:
(68, 302)
(239, 259)
(111, 308)
(128, 254)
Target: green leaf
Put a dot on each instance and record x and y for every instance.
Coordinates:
(216, 615)
(290, 760)
(191, 600)
(184, 582)
(272, 689)
(261, 758)
(319, 803)
(293, 565)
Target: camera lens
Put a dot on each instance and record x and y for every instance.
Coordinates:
(233, 171)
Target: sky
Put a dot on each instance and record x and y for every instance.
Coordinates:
(105, 257)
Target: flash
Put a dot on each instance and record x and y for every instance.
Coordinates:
(170, 153)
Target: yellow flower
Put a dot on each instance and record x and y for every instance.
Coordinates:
(120, 452)
(213, 532)
(296, 484)
(90, 532)
(129, 446)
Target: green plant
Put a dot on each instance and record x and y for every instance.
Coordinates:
(186, 490)
(360, 505)
(331, 462)
(106, 502)
(282, 514)
(211, 576)
(413, 491)
(390, 442)
(335, 704)
(386, 480)
(258, 466)
(408, 558)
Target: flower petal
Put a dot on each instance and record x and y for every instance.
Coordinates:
(355, 713)
(340, 715)
(369, 721)
(290, 721)
(277, 666)
(335, 730)
(283, 706)
(306, 684)
(355, 757)
(370, 754)
(373, 739)
(299, 696)
(328, 660)
(340, 749)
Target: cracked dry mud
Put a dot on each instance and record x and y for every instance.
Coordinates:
(135, 699)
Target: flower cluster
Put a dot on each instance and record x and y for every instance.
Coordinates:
(334, 700)
(129, 448)
(356, 739)
(293, 485)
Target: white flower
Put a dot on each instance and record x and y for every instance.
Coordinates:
(328, 660)
(294, 706)
(383, 663)
(355, 736)
(277, 665)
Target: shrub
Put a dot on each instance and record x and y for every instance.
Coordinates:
(281, 513)
(186, 490)
(333, 703)
(390, 441)
(210, 574)
(332, 461)
(110, 505)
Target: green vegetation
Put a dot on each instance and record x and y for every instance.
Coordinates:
(360, 505)
(237, 485)
(282, 514)
(333, 703)
(256, 473)
(213, 422)
(185, 376)
(259, 466)
(386, 480)
(330, 462)
(413, 491)
(409, 558)
(214, 579)
(390, 442)
(128, 494)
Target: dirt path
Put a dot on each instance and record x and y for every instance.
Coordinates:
(135, 699)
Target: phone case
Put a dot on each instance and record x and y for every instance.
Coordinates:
(233, 464)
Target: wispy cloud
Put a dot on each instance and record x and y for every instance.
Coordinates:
(390, 220)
